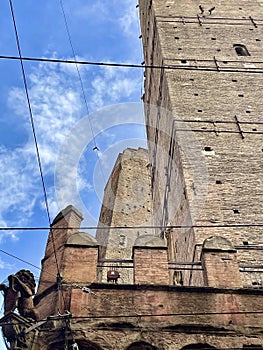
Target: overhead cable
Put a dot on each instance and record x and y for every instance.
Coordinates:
(128, 65)
(131, 227)
(95, 146)
(32, 125)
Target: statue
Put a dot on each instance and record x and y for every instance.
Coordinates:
(19, 294)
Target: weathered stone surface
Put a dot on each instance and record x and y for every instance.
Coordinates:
(167, 317)
(82, 239)
(127, 202)
(204, 126)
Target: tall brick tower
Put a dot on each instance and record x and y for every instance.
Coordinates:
(204, 123)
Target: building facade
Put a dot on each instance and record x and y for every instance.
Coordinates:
(204, 124)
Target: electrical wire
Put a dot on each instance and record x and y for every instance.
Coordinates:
(182, 314)
(95, 146)
(30, 109)
(35, 138)
(22, 260)
(32, 126)
(140, 66)
(166, 227)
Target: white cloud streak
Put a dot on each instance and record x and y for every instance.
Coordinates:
(113, 85)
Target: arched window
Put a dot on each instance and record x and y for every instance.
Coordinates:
(141, 346)
(241, 50)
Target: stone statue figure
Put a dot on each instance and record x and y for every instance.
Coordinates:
(19, 294)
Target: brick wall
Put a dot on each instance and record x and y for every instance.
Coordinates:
(150, 265)
(80, 264)
(210, 117)
(170, 317)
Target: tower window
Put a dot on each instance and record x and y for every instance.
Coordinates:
(208, 149)
(241, 50)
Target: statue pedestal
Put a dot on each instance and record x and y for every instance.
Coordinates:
(14, 327)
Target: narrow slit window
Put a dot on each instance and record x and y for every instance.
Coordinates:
(241, 50)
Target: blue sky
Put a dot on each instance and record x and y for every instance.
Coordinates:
(100, 31)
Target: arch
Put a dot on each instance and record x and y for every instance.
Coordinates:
(141, 345)
(198, 346)
(241, 50)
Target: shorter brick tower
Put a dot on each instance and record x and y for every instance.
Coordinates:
(127, 203)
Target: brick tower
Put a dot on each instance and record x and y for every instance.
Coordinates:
(204, 125)
(127, 202)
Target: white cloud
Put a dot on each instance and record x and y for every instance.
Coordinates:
(129, 21)
(5, 266)
(98, 8)
(113, 85)
(57, 104)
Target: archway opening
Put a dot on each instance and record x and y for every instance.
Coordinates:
(141, 346)
(200, 346)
